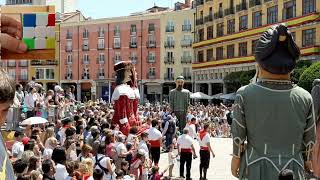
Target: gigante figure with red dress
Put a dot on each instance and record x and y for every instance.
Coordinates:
(125, 97)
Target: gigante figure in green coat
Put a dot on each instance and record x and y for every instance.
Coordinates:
(179, 99)
(273, 126)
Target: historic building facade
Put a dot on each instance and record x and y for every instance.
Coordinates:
(227, 30)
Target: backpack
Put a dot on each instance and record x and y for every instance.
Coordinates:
(171, 127)
(105, 170)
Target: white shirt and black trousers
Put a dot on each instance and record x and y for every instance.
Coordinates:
(185, 146)
(154, 136)
(204, 138)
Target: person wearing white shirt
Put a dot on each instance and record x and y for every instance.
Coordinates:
(205, 149)
(186, 149)
(18, 147)
(29, 102)
(59, 157)
(155, 140)
(121, 150)
(192, 129)
(103, 162)
(143, 143)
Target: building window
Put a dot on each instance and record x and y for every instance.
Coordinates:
(85, 74)
(257, 19)
(170, 26)
(117, 30)
(101, 32)
(85, 45)
(133, 29)
(243, 22)
(219, 53)
(169, 75)
(289, 9)
(209, 32)
(101, 59)
(85, 34)
(44, 73)
(24, 74)
(253, 46)
(243, 49)
(230, 51)
(133, 42)
(69, 34)
(86, 59)
(201, 34)
(133, 57)
(151, 57)
(186, 25)
(116, 43)
(219, 29)
(117, 57)
(12, 73)
(209, 54)
(151, 28)
(100, 43)
(152, 73)
(231, 26)
(308, 6)
(272, 14)
(69, 59)
(151, 41)
(308, 37)
(200, 56)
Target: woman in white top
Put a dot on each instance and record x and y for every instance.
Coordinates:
(104, 163)
(59, 157)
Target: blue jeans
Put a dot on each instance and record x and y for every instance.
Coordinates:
(169, 138)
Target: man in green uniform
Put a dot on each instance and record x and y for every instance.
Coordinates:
(7, 92)
(273, 124)
(179, 99)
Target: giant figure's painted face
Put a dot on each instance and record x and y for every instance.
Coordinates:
(179, 83)
(127, 75)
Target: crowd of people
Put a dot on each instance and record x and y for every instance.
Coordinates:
(80, 142)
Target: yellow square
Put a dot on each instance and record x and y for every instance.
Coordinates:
(51, 43)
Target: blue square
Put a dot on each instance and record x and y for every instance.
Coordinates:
(29, 20)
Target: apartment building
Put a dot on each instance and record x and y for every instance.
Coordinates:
(176, 48)
(227, 31)
(18, 70)
(90, 48)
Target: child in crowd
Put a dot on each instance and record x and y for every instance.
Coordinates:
(125, 167)
(51, 111)
(172, 159)
(155, 173)
(97, 174)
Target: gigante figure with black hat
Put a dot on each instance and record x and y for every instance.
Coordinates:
(179, 99)
(125, 97)
(273, 126)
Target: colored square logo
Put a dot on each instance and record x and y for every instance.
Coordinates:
(51, 19)
(51, 43)
(42, 19)
(29, 42)
(29, 20)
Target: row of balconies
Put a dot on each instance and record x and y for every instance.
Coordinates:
(43, 62)
(252, 3)
(134, 59)
(14, 63)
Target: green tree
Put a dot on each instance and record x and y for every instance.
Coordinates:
(301, 66)
(307, 77)
(235, 80)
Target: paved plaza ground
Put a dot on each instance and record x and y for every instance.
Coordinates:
(219, 166)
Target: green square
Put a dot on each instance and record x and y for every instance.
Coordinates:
(29, 42)
(51, 43)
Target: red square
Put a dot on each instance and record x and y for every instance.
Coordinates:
(51, 19)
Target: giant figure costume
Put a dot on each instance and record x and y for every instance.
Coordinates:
(274, 117)
(125, 97)
(179, 99)
(315, 92)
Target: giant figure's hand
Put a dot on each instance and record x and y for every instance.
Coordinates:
(10, 36)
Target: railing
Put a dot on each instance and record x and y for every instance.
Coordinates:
(100, 60)
(133, 44)
(241, 7)
(68, 62)
(68, 48)
(151, 30)
(218, 15)
(199, 21)
(208, 18)
(170, 29)
(85, 35)
(186, 28)
(186, 76)
(151, 59)
(101, 34)
(134, 59)
(169, 60)
(85, 47)
(69, 36)
(23, 77)
(50, 62)
(253, 3)
(186, 43)
(100, 46)
(85, 61)
(23, 63)
(229, 11)
(169, 77)
(87, 76)
(151, 44)
(169, 44)
(11, 64)
(117, 46)
(100, 76)
(68, 76)
(186, 59)
(151, 75)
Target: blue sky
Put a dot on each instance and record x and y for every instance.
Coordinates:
(114, 8)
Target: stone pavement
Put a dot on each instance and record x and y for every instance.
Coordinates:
(219, 166)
